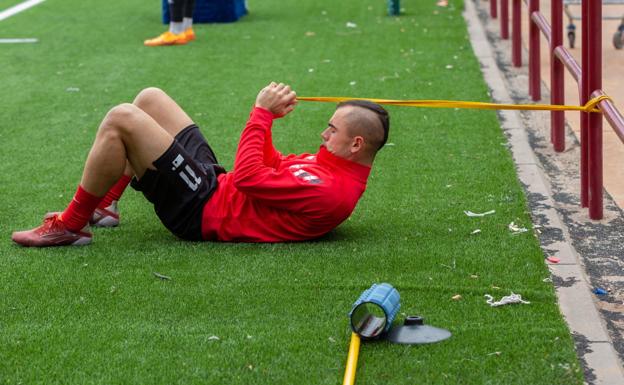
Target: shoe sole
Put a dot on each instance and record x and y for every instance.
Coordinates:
(106, 222)
(82, 242)
(78, 242)
(167, 44)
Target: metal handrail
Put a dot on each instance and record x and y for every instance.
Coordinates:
(542, 24)
(612, 114)
(588, 77)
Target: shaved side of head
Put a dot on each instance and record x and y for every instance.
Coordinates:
(369, 120)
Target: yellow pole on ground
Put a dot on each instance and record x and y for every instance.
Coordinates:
(352, 358)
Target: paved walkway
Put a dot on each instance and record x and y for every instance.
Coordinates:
(590, 252)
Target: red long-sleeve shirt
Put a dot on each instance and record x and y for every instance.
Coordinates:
(269, 197)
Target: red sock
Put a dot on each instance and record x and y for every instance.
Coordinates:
(115, 192)
(80, 209)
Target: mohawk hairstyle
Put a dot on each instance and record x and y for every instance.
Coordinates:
(380, 112)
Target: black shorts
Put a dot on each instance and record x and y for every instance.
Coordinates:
(184, 179)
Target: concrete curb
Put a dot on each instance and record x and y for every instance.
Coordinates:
(597, 354)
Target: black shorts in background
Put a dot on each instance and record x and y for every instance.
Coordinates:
(184, 179)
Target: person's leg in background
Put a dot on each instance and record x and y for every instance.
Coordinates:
(176, 34)
(187, 20)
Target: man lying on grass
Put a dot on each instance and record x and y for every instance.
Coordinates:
(268, 197)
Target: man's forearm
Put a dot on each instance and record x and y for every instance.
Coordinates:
(250, 155)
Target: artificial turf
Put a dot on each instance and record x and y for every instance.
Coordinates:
(268, 313)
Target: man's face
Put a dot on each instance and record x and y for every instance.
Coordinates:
(336, 137)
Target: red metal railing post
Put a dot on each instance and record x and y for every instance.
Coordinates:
(583, 98)
(504, 19)
(594, 82)
(516, 34)
(557, 95)
(534, 54)
(493, 8)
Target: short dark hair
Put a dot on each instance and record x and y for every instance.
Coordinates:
(380, 112)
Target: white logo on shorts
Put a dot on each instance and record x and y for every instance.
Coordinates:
(177, 162)
(187, 175)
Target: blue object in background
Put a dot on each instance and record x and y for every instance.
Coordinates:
(213, 11)
(372, 314)
(394, 7)
(600, 291)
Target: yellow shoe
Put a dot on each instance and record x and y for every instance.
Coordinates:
(167, 38)
(190, 34)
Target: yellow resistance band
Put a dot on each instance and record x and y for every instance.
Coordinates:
(590, 106)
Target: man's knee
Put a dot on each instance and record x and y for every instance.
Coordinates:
(149, 97)
(119, 119)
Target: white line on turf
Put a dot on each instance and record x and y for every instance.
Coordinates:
(19, 8)
(17, 41)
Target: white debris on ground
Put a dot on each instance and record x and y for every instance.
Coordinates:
(507, 300)
(385, 77)
(351, 24)
(516, 229)
(471, 214)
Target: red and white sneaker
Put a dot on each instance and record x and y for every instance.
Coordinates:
(52, 233)
(107, 217)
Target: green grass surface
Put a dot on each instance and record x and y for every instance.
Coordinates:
(97, 315)
(5, 4)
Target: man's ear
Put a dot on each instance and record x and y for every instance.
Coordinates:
(357, 145)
